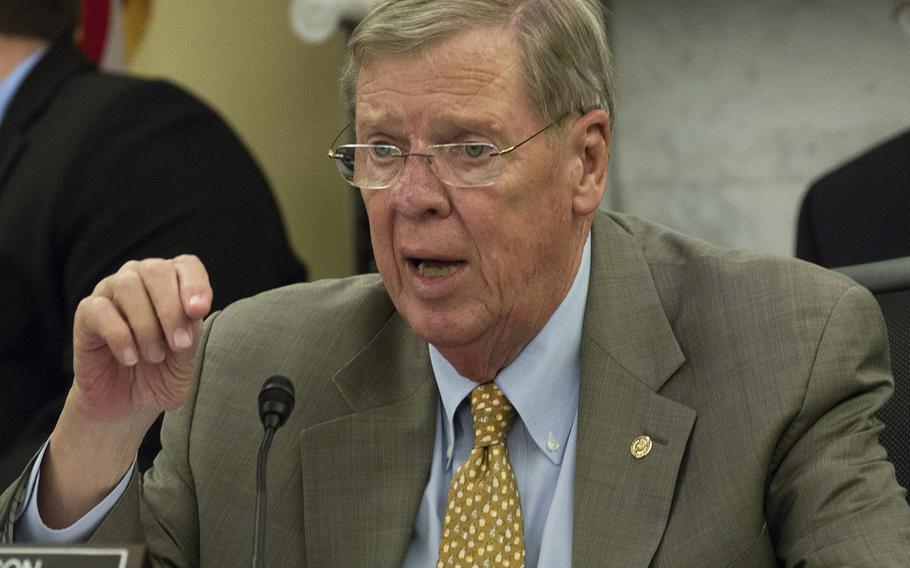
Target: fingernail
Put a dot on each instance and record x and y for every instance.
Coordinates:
(195, 300)
(129, 357)
(182, 338)
(155, 353)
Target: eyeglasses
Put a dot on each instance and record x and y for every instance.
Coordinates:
(469, 164)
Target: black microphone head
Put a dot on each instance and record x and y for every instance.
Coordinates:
(276, 401)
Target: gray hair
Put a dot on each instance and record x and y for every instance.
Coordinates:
(567, 61)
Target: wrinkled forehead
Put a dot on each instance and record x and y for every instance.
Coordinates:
(478, 72)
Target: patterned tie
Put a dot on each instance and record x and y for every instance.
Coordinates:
(483, 524)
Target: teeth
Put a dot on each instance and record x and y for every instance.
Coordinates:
(430, 269)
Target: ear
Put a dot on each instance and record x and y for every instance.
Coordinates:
(591, 134)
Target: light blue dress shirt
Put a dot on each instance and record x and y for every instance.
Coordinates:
(30, 527)
(11, 83)
(542, 385)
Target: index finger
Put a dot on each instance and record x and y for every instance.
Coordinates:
(195, 290)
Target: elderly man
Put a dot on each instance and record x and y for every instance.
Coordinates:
(638, 398)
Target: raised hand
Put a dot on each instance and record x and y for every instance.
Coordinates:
(134, 338)
(134, 352)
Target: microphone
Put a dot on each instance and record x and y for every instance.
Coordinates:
(276, 401)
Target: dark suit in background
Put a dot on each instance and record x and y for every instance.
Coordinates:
(860, 212)
(96, 169)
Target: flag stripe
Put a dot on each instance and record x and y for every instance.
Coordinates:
(95, 16)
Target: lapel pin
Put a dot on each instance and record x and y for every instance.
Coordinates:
(641, 447)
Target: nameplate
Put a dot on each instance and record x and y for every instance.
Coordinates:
(71, 557)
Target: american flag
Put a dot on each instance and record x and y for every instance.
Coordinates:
(110, 30)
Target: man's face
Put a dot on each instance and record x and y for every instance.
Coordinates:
(474, 270)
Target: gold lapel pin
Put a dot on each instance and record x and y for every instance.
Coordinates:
(641, 446)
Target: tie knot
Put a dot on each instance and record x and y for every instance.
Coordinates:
(493, 415)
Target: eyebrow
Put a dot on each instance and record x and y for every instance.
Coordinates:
(440, 125)
(470, 123)
(376, 116)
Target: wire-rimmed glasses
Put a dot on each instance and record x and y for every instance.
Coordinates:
(467, 164)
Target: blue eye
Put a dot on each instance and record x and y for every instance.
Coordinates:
(383, 151)
(475, 150)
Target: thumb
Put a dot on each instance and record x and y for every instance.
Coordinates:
(183, 361)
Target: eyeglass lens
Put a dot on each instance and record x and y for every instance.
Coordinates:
(376, 166)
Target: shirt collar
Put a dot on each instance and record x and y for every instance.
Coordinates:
(542, 382)
(10, 84)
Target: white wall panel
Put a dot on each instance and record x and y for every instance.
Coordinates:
(727, 110)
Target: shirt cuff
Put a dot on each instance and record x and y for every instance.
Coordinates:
(30, 528)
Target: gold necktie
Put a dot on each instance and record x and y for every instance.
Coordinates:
(483, 524)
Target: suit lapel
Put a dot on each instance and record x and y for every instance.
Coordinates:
(364, 471)
(61, 62)
(628, 352)
(11, 146)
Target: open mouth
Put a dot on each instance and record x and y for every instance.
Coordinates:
(434, 268)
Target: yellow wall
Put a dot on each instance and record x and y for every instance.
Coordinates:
(279, 94)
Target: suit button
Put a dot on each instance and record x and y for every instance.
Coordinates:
(641, 446)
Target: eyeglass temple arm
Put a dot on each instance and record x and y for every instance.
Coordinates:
(332, 147)
(529, 138)
(526, 140)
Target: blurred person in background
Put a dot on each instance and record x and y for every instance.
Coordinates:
(96, 169)
(860, 211)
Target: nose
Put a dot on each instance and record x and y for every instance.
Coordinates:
(418, 193)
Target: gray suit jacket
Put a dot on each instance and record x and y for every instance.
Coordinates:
(757, 379)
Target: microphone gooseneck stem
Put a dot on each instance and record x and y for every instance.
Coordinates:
(261, 498)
